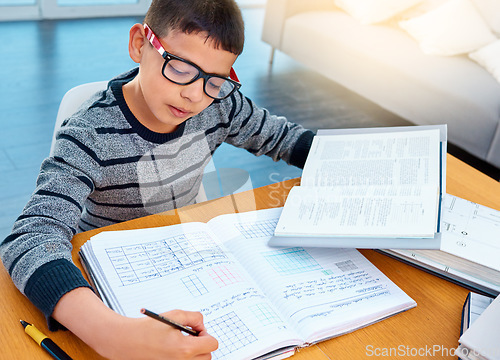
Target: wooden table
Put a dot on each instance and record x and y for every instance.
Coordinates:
(430, 330)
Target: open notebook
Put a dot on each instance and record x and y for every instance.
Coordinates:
(256, 300)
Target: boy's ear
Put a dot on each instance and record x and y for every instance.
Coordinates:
(136, 42)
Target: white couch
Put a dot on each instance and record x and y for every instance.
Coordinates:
(385, 65)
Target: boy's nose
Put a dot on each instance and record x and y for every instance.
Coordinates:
(194, 91)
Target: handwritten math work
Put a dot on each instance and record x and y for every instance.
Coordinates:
(255, 299)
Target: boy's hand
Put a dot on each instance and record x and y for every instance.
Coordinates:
(118, 337)
(147, 338)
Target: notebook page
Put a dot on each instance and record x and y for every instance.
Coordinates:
(185, 267)
(323, 292)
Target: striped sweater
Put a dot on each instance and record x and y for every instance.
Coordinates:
(107, 168)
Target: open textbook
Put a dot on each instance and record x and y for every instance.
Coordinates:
(258, 301)
(368, 188)
(470, 247)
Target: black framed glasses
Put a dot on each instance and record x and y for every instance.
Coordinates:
(183, 72)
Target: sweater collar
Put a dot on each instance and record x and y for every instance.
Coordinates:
(158, 138)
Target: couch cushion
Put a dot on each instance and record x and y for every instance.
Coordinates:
(386, 66)
(374, 11)
(490, 11)
(453, 28)
(489, 58)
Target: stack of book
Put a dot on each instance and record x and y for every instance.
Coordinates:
(385, 189)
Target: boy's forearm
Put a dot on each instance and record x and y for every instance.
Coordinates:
(86, 316)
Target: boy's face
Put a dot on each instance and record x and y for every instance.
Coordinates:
(158, 103)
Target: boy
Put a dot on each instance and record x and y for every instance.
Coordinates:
(139, 148)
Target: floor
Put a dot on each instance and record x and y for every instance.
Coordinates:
(41, 60)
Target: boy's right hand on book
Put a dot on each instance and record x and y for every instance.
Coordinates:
(118, 337)
(146, 338)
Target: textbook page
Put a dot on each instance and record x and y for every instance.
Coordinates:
(323, 292)
(471, 231)
(367, 185)
(469, 249)
(185, 267)
(382, 211)
(368, 159)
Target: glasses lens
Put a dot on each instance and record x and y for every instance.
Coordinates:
(180, 72)
(218, 87)
(183, 73)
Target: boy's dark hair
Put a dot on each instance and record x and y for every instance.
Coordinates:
(221, 19)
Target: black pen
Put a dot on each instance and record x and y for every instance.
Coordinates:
(172, 323)
(48, 345)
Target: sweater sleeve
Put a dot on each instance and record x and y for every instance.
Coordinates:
(37, 253)
(261, 133)
(301, 149)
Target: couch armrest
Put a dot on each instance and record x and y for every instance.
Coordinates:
(277, 11)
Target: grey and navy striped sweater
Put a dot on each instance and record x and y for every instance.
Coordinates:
(108, 168)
